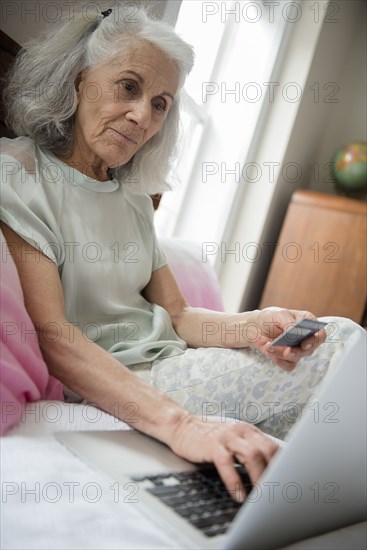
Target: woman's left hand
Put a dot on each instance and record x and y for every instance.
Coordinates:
(270, 323)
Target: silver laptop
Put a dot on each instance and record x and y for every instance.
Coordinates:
(315, 484)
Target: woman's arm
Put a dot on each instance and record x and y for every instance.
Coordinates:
(76, 361)
(93, 373)
(206, 328)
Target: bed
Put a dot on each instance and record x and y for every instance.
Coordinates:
(50, 498)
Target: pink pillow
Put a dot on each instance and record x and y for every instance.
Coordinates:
(24, 374)
(195, 277)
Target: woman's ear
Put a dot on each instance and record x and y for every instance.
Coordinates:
(77, 83)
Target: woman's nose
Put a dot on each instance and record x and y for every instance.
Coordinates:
(140, 113)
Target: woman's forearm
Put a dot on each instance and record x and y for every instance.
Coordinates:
(91, 372)
(206, 328)
(200, 327)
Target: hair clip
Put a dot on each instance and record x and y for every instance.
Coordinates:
(106, 13)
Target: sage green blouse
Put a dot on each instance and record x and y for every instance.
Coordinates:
(101, 237)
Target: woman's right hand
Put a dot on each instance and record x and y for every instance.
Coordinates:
(224, 445)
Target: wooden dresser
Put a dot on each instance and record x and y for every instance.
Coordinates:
(320, 259)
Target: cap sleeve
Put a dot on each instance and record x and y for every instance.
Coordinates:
(25, 205)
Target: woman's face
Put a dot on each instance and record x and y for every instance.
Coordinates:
(121, 105)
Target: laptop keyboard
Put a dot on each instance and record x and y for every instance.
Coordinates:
(198, 496)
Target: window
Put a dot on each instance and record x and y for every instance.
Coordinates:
(225, 98)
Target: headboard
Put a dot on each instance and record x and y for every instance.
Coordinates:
(8, 50)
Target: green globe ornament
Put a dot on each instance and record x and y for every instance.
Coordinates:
(349, 168)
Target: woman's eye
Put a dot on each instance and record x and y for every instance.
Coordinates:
(160, 106)
(128, 86)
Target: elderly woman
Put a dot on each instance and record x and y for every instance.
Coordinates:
(97, 106)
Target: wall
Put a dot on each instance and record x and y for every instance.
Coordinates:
(346, 120)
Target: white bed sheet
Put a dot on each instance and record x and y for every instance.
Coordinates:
(51, 499)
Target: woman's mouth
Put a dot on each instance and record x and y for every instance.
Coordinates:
(122, 137)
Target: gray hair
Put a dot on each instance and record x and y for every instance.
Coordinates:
(41, 94)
